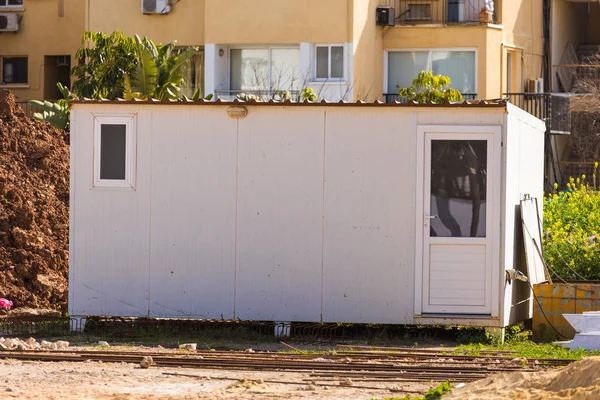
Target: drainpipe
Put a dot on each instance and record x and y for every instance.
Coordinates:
(587, 24)
(87, 15)
(546, 69)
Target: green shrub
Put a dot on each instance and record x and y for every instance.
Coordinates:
(435, 393)
(428, 87)
(572, 231)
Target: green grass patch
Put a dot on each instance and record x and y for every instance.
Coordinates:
(526, 349)
(518, 343)
(434, 393)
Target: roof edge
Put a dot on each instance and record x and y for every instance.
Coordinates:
(271, 103)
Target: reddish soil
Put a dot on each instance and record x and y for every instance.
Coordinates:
(34, 209)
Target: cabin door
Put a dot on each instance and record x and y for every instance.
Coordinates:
(457, 223)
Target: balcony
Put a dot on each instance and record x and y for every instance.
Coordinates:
(552, 108)
(443, 12)
(259, 95)
(392, 97)
(575, 169)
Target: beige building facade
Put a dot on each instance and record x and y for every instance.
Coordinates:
(271, 46)
(38, 42)
(575, 42)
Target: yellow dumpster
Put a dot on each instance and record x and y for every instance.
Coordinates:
(558, 299)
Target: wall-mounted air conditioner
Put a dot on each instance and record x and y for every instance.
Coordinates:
(9, 22)
(385, 16)
(155, 6)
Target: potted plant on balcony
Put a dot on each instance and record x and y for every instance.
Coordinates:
(487, 12)
(427, 87)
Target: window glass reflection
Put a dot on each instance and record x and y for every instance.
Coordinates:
(458, 188)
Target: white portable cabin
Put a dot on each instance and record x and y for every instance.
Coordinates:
(355, 213)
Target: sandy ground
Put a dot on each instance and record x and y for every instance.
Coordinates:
(578, 381)
(97, 380)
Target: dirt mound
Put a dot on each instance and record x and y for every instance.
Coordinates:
(580, 380)
(34, 209)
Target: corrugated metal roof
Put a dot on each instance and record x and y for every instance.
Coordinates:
(219, 102)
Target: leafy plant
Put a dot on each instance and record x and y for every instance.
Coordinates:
(116, 66)
(308, 94)
(572, 231)
(434, 393)
(57, 114)
(249, 97)
(527, 349)
(427, 87)
(106, 60)
(280, 95)
(158, 72)
(198, 94)
(438, 391)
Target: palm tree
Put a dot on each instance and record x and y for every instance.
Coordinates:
(159, 71)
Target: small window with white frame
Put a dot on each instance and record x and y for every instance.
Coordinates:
(11, 3)
(329, 62)
(114, 151)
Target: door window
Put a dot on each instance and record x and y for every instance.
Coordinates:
(458, 188)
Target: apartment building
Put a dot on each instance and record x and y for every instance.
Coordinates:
(575, 41)
(336, 47)
(38, 41)
(485, 54)
(574, 53)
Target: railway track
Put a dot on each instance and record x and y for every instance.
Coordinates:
(401, 365)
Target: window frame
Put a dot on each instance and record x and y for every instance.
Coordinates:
(12, 6)
(130, 122)
(201, 53)
(425, 5)
(2, 60)
(429, 58)
(269, 49)
(316, 61)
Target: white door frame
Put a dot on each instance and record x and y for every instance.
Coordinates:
(494, 182)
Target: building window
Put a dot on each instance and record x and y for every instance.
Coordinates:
(11, 3)
(459, 66)
(330, 62)
(419, 12)
(193, 75)
(14, 70)
(114, 151)
(265, 70)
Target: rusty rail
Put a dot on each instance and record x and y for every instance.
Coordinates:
(375, 367)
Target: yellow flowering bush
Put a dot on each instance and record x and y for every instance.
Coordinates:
(572, 231)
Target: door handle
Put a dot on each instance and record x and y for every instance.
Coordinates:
(431, 216)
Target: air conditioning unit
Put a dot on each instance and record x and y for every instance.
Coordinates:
(155, 6)
(386, 16)
(9, 22)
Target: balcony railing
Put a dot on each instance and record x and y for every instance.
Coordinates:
(392, 97)
(575, 169)
(417, 12)
(552, 108)
(536, 104)
(264, 95)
